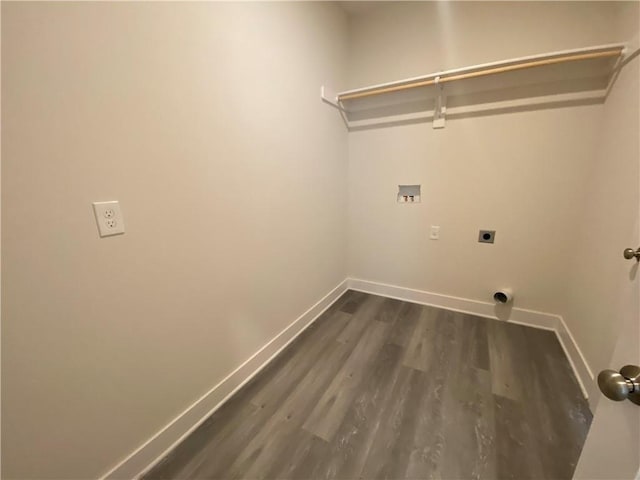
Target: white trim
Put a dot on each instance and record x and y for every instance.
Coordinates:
(546, 321)
(160, 444)
(576, 357)
(531, 318)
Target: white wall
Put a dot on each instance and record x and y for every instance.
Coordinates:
(400, 39)
(604, 295)
(603, 286)
(522, 173)
(489, 173)
(203, 120)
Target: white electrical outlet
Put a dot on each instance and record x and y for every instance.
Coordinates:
(435, 232)
(109, 218)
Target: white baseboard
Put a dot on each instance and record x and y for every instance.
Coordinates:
(546, 321)
(158, 446)
(581, 368)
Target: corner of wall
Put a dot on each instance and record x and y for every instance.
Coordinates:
(166, 439)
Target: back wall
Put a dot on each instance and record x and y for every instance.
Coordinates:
(522, 173)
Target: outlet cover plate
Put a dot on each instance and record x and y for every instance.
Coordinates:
(108, 218)
(487, 236)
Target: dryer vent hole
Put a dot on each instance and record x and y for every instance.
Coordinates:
(500, 297)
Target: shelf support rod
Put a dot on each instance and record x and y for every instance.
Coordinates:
(441, 105)
(332, 100)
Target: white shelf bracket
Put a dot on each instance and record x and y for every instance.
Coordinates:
(331, 98)
(440, 111)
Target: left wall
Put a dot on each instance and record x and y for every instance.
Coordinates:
(204, 121)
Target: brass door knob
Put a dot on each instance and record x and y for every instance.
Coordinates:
(630, 253)
(621, 385)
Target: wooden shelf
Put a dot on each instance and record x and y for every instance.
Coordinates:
(560, 77)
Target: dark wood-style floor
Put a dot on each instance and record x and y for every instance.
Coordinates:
(379, 388)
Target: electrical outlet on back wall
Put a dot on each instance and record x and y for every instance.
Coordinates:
(486, 236)
(108, 218)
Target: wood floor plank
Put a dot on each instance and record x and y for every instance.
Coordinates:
(389, 453)
(353, 302)
(360, 320)
(213, 446)
(469, 450)
(503, 359)
(265, 449)
(419, 348)
(306, 395)
(404, 324)
(257, 457)
(432, 327)
(558, 414)
(332, 406)
(540, 403)
(389, 310)
(303, 459)
(303, 357)
(340, 302)
(289, 416)
(516, 455)
(432, 419)
(352, 442)
(476, 340)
